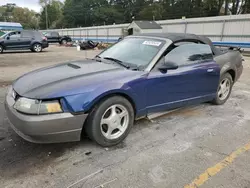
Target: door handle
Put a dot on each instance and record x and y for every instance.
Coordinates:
(210, 70)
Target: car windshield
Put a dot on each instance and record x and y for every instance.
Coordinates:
(134, 51)
(3, 36)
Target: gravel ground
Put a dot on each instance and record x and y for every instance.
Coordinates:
(170, 151)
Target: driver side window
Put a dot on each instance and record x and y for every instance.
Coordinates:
(189, 54)
(186, 54)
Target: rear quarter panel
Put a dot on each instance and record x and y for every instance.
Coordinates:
(231, 60)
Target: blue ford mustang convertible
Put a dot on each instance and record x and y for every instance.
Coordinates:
(137, 77)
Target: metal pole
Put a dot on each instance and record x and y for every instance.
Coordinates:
(107, 35)
(97, 38)
(80, 34)
(46, 14)
(185, 29)
(222, 30)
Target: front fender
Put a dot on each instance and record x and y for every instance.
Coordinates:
(84, 102)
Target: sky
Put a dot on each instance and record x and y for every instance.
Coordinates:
(31, 4)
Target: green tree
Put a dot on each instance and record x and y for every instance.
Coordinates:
(2, 12)
(244, 7)
(154, 11)
(212, 7)
(106, 15)
(11, 13)
(54, 12)
(78, 12)
(26, 17)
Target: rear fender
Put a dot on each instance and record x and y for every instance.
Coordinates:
(226, 67)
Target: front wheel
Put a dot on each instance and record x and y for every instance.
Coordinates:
(110, 121)
(224, 89)
(37, 47)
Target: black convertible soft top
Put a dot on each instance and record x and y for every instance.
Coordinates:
(178, 37)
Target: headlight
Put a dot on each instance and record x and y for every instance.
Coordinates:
(36, 107)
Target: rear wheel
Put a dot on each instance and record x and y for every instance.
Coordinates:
(224, 89)
(1, 49)
(37, 47)
(110, 121)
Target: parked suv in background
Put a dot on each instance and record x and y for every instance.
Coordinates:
(33, 40)
(54, 37)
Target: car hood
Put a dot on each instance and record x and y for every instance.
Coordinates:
(68, 79)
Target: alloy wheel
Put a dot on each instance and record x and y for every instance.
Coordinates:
(224, 89)
(37, 48)
(114, 122)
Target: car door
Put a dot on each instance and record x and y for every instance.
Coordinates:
(12, 40)
(26, 39)
(195, 80)
(54, 37)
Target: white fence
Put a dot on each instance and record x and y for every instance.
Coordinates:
(228, 29)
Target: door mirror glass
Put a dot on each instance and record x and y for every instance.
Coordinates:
(168, 65)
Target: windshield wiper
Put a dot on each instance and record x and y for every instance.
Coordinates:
(97, 58)
(117, 61)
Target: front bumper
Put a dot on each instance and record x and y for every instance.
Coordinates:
(53, 128)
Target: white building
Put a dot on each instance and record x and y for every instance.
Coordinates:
(144, 27)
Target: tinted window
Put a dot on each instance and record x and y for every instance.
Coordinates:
(14, 35)
(189, 54)
(54, 34)
(27, 34)
(47, 34)
(37, 34)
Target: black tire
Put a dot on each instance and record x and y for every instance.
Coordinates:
(63, 42)
(36, 48)
(93, 123)
(219, 100)
(1, 49)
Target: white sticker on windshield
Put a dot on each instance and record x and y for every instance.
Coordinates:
(152, 43)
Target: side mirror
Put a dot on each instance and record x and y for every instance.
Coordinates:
(168, 66)
(8, 38)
